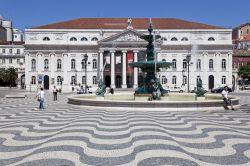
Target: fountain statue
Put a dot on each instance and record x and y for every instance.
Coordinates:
(101, 89)
(200, 91)
(151, 84)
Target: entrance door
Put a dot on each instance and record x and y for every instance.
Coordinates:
(107, 81)
(211, 82)
(22, 81)
(46, 82)
(118, 81)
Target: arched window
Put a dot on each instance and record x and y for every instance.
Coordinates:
(211, 39)
(164, 39)
(174, 39)
(174, 80)
(73, 63)
(33, 80)
(59, 80)
(83, 80)
(184, 81)
(94, 39)
(94, 63)
(33, 64)
(184, 39)
(163, 60)
(198, 64)
(94, 80)
(46, 39)
(83, 63)
(59, 64)
(73, 39)
(223, 64)
(198, 78)
(211, 64)
(223, 80)
(174, 64)
(46, 64)
(164, 80)
(184, 64)
(84, 39)
(73, 80)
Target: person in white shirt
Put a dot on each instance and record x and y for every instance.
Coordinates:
(55, 93)
(226, 99)
(40, 98)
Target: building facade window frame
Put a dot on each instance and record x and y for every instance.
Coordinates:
(174, 62)
(94, 64)
(84, 80)
(59, 80)
(33, 64)
(223, 80)
(73, 64)
(83, 64)
(174, 78)
(198, 64)
(46, 65)
(46, 38)
(59, 64)
(33, 80)
(184, 63)
(223, 64)
(164, 80)
(94, 80)
(211, 64)
(73, 39)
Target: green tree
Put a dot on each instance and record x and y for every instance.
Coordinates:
(244, 71)
(11, 76)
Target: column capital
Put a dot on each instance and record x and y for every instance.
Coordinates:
(101, 51)
(112, 51)
(124, 51)
(135, 51)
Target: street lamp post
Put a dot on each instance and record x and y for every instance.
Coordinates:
(188, 57)
(86, 62)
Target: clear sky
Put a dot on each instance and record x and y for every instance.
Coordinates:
(26, 13)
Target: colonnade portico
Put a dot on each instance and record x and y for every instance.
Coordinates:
(112, 54)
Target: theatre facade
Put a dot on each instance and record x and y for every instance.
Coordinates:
(80, 52)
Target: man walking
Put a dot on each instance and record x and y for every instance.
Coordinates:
(40, 98)
(227, 100)
(55, 93)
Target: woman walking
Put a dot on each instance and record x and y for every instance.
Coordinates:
(40, 98)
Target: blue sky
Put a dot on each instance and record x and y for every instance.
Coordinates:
(26, 13)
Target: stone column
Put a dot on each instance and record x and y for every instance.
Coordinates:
(52, 69)
(112, 69)
(135, 70)
(124, 69)
(66, 83)
(100, 71)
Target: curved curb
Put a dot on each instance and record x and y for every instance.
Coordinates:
(175, 105)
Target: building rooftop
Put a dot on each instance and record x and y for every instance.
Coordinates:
(122, 23)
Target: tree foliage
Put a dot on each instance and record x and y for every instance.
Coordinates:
(8, 76)
(244, 71)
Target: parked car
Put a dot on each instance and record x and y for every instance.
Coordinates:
(220, 89)
(176, 89)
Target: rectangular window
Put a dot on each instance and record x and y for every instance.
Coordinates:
(10, 60)
(10, 51)
(3, 61)
(17, 60)
(3, 50)
(18, 51)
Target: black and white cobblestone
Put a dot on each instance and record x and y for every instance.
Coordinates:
(67, 135)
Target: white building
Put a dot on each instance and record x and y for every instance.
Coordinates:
(12, 50)
(56, 52)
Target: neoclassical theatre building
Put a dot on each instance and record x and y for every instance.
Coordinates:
(81, 51)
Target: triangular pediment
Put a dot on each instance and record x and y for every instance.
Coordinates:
(128, 35)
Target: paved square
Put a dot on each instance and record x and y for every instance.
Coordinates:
(68, 135)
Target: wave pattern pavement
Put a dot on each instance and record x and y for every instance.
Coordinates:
(69, 135)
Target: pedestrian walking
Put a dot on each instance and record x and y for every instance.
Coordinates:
(227, 100)
(55, 90)
(40, 98)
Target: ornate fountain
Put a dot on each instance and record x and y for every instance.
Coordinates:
(151, 84)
